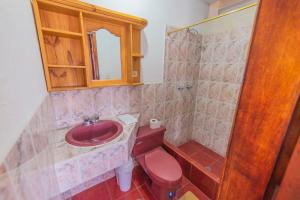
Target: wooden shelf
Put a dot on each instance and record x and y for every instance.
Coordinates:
(68, 88)
(137, 55)
(67, 66)
(62, 30)
(61, 33)
(136, 84)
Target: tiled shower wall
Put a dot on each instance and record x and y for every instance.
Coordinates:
(182, 57)
(221, 73)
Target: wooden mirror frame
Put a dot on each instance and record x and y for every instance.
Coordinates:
(119, 30)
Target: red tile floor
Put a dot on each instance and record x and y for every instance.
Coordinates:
(109, 190)
(210, 160)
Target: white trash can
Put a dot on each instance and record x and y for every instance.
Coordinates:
(124, 175)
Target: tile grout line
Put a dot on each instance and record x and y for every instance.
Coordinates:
(140, 193)
(108, 190)
(133, 188)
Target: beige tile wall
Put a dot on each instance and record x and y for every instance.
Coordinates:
(182, 57)
(221, 73)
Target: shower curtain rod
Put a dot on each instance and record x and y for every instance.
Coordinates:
(212, 18)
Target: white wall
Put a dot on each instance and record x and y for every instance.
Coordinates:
(159, 13)
(239, 19)
(22, 85)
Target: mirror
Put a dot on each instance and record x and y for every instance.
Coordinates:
(105, 48)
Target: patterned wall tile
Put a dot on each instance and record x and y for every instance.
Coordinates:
(147, 112)
(160, 93)
(222, 68)
(6, 189)
(68, 175)
(217, 72)
(180, 91)
(215, 90)
(92, 165)
(205, 71)
(81, 103)
(219, 52)
(170, 71)
(148, 94)
(212, 108)
(120, 100)
(21, 152)
(230, 73)
(103, 101)
(159, 111)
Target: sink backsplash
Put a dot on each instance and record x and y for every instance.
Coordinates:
(71, 106)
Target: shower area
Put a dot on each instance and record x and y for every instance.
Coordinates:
(204, 70)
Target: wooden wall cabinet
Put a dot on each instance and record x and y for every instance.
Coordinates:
(62, 30)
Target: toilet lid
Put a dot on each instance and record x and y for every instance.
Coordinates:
(162, 166)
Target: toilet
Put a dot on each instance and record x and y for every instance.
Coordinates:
(163, 172)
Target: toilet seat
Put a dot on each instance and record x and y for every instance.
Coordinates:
(162, 167)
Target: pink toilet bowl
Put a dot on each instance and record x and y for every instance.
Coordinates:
(164, 173)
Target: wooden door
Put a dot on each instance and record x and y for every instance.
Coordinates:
(290, 186)
(284, 156)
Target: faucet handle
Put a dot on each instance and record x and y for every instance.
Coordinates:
(95, 118)
(86, 120)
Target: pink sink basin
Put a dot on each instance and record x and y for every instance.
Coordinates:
(101, 132)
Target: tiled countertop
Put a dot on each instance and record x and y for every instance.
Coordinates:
(76, 165)
(64, 151)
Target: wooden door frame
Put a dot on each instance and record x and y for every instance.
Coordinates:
(289, 188)
(268, 97)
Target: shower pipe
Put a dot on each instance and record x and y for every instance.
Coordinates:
(212, 18)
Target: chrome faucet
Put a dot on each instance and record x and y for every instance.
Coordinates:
(87, 121)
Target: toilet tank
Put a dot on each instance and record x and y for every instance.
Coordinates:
(148, 139)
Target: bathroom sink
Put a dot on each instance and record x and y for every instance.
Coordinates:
(98, 133)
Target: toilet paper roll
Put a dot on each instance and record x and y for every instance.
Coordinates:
(154, 123)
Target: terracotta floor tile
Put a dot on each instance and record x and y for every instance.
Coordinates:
(203, 159)
(132, 195)
(114, 189)
(190, 187)
(138, 176)
(212, 154)
(97, 192)
(217, 168)
(184, 182)
(145, 193)
(190, 148)
(109, 190)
